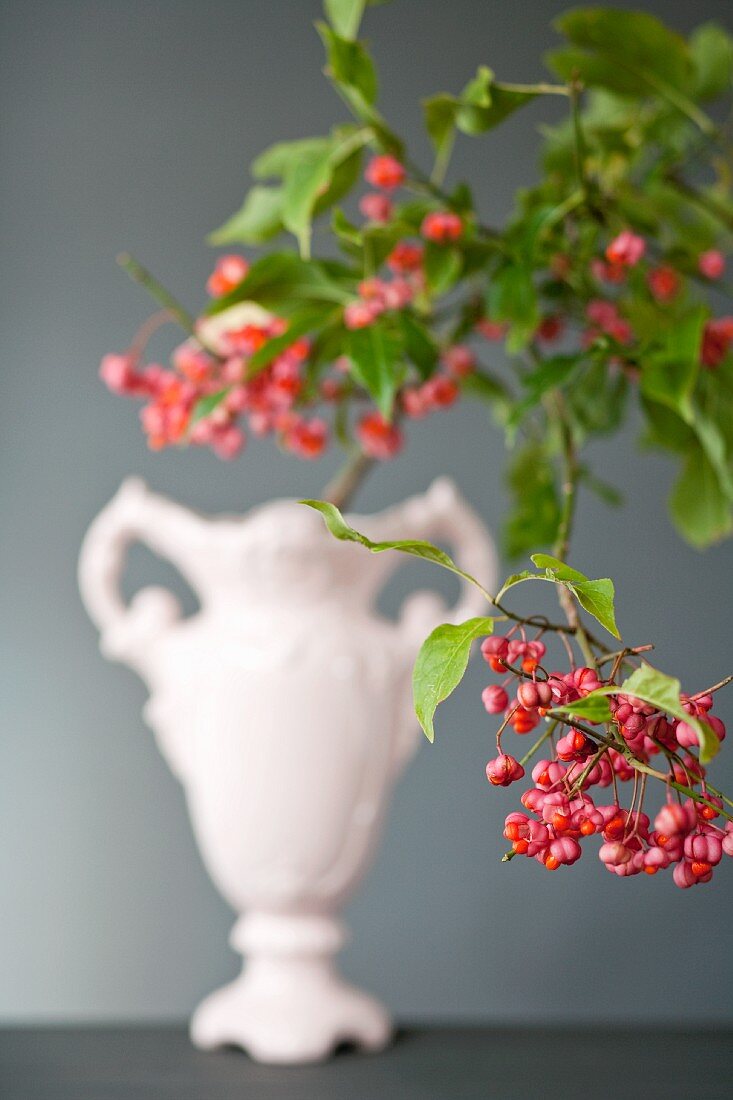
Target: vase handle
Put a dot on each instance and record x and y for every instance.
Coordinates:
(126, 630)
(443, 515)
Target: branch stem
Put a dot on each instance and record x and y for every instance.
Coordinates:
(342, 488)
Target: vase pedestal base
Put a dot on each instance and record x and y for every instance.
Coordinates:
(289, 1006)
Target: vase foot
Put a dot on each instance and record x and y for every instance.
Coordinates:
(290, 1023)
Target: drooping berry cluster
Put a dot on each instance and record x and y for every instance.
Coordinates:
(563, 806)
(211, 388)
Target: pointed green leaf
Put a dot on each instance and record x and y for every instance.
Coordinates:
(439, 113)
(417, 548)
(419, 344)
(441, 664)
(258, 220)
(635, 41)
(375, 354)
(205, 405)
(282, 278)
(594, 707)
(669, 372)
(699, 507)
(596, 597)
(279, 159)
(562, 571)
(442, 267)
(663, 692)
(712, 56)
(350, 64)
(310, 178)
(345, 16)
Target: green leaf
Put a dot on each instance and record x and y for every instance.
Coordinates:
(439, 113)
(535, 515)
(258, 220)
(512, 297)
(712, 56)
(609, 494)
(699, 507)
(441, 664)
(663, 692)
(594, 596)
(345, 230)
(629, 52)
(316, 172)
(375, 353)
(594, 707)
(279, 159)
(350, 64)
(282, 278)
(597, 598)
(551, 374)
(417, 548)
(505, 100)
(485, 386)
(205, 405)
(558, 568)
(442, 267)
(636, 42)
(482, 105)
(419, 344)
(344, 16)
(670, 372)
(308, 179)
(596, 72)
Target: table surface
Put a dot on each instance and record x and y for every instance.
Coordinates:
(158, 1063)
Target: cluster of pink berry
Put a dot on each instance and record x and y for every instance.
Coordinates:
(267, 399)
(665, 283)
(560, 810)
(203, 396)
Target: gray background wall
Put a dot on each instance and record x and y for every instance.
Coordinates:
(130, 124)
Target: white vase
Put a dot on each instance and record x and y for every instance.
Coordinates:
(284, 707)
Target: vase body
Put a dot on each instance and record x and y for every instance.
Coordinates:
(283, 705)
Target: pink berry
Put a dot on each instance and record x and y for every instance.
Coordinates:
(550, 328)
(664, 283)
(675, 818)
(711, 264)
(405, 258)
(377, 208)
(496, 646)
(378, 438)
(228, 273)
(385, 171)
(228, 443)
(307, 438)
(565, 850)
(717, 337)
(703, 848)
(504, 770)
(613, 853)
(626, 249)
(360, 314)
(491, 330)
(495, 699)
(459, 360)
(441, 227)
(119, 375)
(534, 694)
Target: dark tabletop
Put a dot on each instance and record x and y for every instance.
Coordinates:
(158, 1063)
